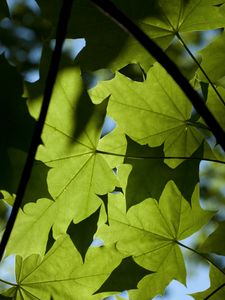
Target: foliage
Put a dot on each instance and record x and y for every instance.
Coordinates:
(135, 189)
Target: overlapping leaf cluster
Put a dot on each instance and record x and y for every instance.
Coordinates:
(135, 189)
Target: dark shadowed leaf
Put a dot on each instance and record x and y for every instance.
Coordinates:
(37, 187)
(4, 298)
(150, 174)
(82, 233)
(125, 277)
(105, 203)
(16, 125)
(4, 10)
(50, 241)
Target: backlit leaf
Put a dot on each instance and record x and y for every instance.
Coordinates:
(213, 67)
(150, 231)
(40, 278)
(153, 112)
(77, 171)
(82, 233)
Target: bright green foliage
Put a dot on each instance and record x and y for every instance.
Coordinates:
(136, 188)
(73, 163)
(216, 106)
(160, 110)
(61, 272)
(166, 222)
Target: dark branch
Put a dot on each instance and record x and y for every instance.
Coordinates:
(49, 84)
(127, 25)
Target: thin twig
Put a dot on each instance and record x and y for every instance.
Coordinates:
(109, 9)
(139, 157)
(202, 255)
(49, 84)
(211, 262)
(7, 282)
(200, 67)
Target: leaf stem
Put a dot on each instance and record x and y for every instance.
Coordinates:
(211, 262)
(49, 84)
(202, 255)
(7, 282)
(200, 67)
(158, 157)
(109, 9)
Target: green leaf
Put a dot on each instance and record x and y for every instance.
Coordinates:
(160, 109)
(77, 170)
(82, 233)
(216, 106)
(135, 189)
(150, 231)
(194, 14)
(125, 277)
(32, 224)
(37, 187)
(151, 173)
(113, 147)
(61, 273)
(159, 19)
(217, 279)
(213, 242)
(78, 173)
(211, 63)
(118, 49)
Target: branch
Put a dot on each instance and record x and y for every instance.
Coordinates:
(109, 9)
(49, 84)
